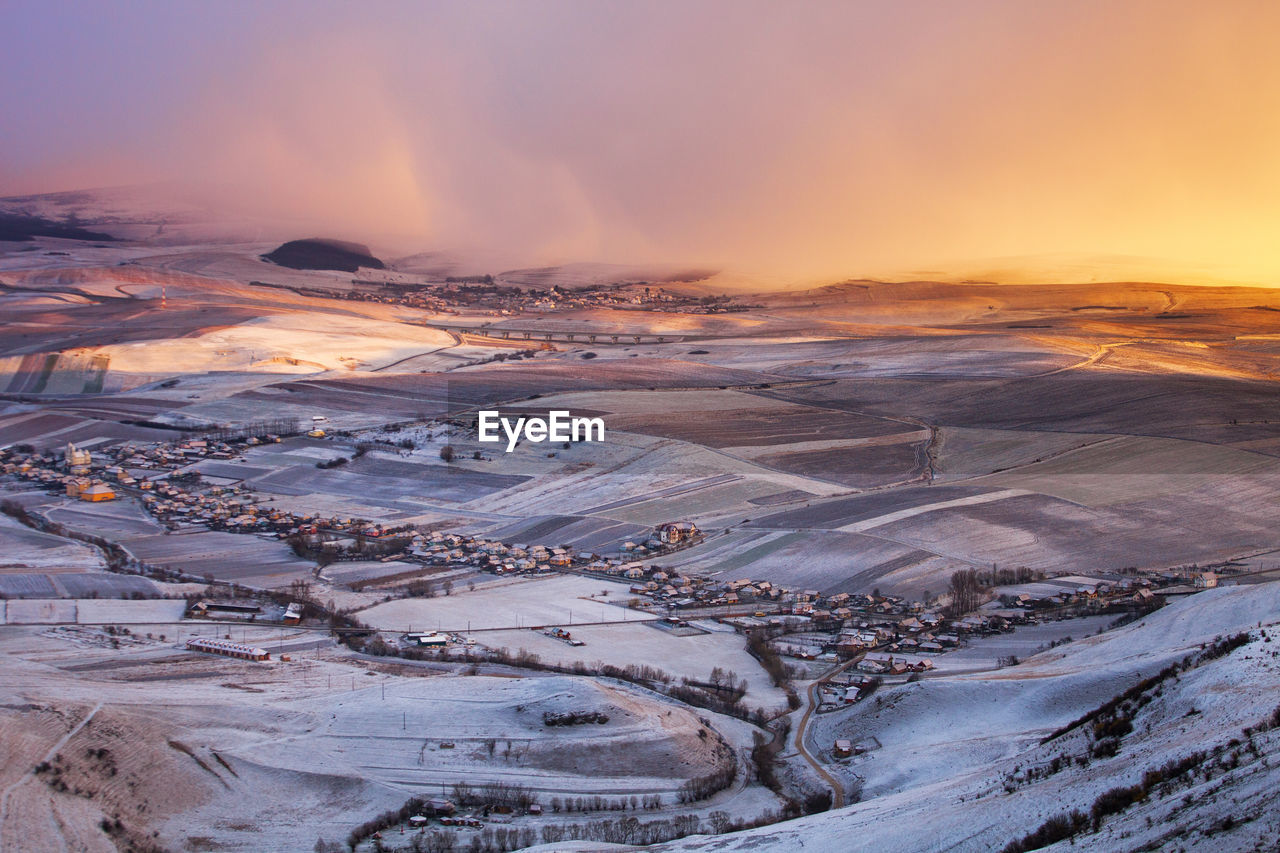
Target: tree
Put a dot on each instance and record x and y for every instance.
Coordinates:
(446, 453)
(819, 802)
(966, 591)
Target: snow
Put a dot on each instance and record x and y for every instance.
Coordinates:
(514, 603)
(395, 735)
(643, 644)
(947, 745)
(300, 342)
(25, 549)
(90, 611)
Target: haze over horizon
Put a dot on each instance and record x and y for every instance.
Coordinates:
(810, 140)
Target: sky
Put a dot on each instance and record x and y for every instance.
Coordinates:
(806, 139)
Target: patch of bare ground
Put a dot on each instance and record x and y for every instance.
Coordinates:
(101, 788)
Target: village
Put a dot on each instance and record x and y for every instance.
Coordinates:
(485, 294)
(880, 635)
(297, 553)
(748, 649)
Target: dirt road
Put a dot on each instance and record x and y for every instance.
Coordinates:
(837, 788)
(53, 750)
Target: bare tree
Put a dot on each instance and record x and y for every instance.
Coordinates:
(966, 591)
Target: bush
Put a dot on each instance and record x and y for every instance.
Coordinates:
(815, 803)
(1115, 801)
(1106, 748)
(765, 757)
(1116, 727)
(1055, 829)
(703, 787)
(574, 718)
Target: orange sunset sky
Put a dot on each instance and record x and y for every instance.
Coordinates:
(797, 139)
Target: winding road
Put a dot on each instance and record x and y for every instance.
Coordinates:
(837, 787)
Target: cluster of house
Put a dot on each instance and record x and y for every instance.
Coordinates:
(1099, 591)
(926, 633)
(155, 473)
(894, 636)
(440, 548)
(80, 475)
(73, 473)
(218, 508)
(844, 691)
(667, 586)
(865, 626)
(506, 300)
(760, 598)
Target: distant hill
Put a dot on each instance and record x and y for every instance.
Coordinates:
(18, 228)
(321, 254)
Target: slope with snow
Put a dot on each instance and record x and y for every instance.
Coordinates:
(961, 764)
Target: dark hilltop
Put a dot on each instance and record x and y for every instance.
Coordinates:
(318, 253)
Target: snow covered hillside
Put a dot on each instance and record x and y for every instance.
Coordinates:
(1161, 735)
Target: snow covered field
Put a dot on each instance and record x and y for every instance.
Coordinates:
(90, 611)
(318, 744)
(396, 734)
(644, 644)
(513, 603)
